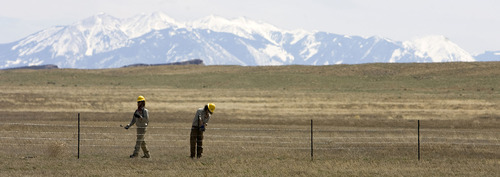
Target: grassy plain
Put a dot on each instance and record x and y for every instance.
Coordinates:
(365, 120)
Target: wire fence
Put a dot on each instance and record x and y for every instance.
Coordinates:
(325, 139)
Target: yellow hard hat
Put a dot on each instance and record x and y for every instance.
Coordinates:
(211, 107)
(141, 98)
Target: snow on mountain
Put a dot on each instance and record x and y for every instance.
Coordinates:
(242, 27)
(145, 23)
(67, 44)
(437, 49)
(101, 33)
(489, 56)
(103, 41)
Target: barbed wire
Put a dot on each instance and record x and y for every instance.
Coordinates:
(406, 138)
(254, 136)
(318, 130)
(260, 137)
(244, 147)
(263, 142)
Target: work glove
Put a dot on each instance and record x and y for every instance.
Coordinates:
(202, 128)
(127, 126)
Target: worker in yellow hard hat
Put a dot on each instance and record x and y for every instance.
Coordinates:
(141, 120)
(200, 121)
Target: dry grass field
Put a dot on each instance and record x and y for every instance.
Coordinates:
(364, 118)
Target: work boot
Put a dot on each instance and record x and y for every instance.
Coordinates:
(133, 156)
(146, 155)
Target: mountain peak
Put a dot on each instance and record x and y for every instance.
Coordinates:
(242, 26)
(99, 19)
(144, 23)
(103, 41)
(439, 48)
(161, 17)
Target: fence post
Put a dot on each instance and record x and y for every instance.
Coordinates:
(418, 130)
(78, 135)
(312, 155)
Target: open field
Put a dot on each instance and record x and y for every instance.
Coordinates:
(365, 120)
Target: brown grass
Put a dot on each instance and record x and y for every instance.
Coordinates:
(365, 120)
(57, 149)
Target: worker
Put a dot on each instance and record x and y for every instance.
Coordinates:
(200, 121)
(141, 120)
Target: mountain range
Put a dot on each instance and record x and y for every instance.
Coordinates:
(104, 41)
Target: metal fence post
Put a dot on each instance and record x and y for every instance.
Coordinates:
(312, 153)
(78, 135)
(418, 130)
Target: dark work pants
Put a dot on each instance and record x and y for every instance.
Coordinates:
(196, 141)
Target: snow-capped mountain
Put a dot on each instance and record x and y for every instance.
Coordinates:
(103, 41)
(145, 23)
(489, 56)
(434, 49)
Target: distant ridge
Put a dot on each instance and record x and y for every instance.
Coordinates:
(35, 67)
(103, 41)
(189, 62)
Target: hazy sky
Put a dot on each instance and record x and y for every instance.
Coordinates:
(472, 24)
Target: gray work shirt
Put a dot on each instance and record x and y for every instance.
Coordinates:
(141, 122)
(200, 118)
